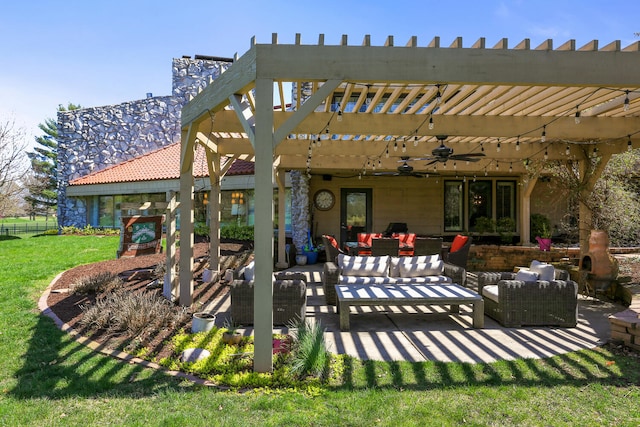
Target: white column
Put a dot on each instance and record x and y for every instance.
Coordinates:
(282, 207)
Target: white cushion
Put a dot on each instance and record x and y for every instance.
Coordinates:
(367, 266)
(491, 292)
(248, 271)
(545, 271)
(365, 280)
(394, 270)
(421, 269)
(526, 275)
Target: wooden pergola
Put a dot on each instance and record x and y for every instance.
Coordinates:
(512, 103)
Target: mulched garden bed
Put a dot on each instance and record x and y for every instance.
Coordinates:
(138, 276)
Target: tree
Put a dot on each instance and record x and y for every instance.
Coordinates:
(12, 166)
(42, 185)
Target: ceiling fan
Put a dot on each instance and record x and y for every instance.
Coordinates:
(443, 153)
(405, 169)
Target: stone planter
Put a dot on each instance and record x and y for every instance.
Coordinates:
(203, 322)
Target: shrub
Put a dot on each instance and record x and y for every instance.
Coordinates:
(539, 225)
(309, 354)
(132, 313)
(506, 226)
(97, 283)
(237, 232)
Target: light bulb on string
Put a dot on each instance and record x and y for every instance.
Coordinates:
(339, 115)
(567, 151)
(404, 147)
(438, 95)
(386, 152)
(455, 166)
(498, 146)
(415, 141)
(318, 142)
(546, 154)
(431, 125)
(629, 144)
(518, 143)
(497, 165)
(474, 177)
(485, 172)
(395, 145)
(595, 151)
(543, 138)
(577, 117)
(510, 167)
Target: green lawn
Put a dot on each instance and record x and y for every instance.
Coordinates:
(48, 379)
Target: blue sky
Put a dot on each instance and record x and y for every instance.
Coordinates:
(97, 53)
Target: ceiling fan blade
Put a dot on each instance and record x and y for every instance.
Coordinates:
(459, 156)
(466, 159)
(432, 162)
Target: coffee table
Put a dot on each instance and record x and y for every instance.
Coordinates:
(450, 294)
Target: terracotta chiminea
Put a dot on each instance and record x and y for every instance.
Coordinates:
(597, 262)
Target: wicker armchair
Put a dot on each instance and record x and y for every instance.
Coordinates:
(516, 303)
(458, 255)
(331, 247)
(289, 299)
(380, 247)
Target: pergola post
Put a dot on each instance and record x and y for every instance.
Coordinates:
(170, 287)
(525, 210)
(185, 294)
(263, 229)
(213, 272)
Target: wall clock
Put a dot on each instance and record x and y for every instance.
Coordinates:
(324, 200)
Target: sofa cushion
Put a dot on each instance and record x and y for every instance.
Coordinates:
(491, 292)
(422, 280)
(365, 280)
(248, 271)
(545, 271)
(526, 275)
(367, 266)
(421, 269)
(394, 263)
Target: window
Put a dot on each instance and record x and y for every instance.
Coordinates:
(488, 198)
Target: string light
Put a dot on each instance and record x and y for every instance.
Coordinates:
(626, 100)
(395, 145)
(404, 147)
(455, 166)
(546, 154)
(595, 151)
(543, 138)
(510, 167)
(497, 165)
(438, 95)
(577, 118)
(431, 125)
(498, 146)
(415, 141)
(567, 151)
(339, 115)
(386, 152)
(518, 144)
(629, 144)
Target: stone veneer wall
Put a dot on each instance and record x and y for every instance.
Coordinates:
(91, 139)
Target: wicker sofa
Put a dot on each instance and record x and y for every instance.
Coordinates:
(289, 297)
(388, 270)
(514, 302)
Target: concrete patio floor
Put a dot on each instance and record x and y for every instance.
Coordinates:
(430, 333)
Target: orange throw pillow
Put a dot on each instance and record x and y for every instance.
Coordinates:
(458, 243)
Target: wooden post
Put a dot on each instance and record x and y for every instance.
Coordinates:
(282, 206)
(170, 287)
(263, 234)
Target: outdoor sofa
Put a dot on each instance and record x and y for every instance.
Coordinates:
(539, 295)
(388, 270)
(289, 296)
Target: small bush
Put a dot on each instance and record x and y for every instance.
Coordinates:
(132, 313)
(97, 283)
(237, 232)
(309, 352)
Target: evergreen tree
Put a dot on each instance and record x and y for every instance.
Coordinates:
(42, 185)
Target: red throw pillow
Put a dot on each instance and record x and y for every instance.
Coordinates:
(333, 241)
(458, 243)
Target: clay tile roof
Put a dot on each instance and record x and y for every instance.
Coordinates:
(163, 163)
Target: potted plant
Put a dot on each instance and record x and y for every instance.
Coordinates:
(310, 250)
(544, 240)
(231, 335)
(202, 322)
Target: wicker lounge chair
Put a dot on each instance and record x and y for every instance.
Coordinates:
(331, 247)
(289, 299)
(458, 251)
(381, 247)
(529, 303)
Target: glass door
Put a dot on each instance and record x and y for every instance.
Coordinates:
(355, 213)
